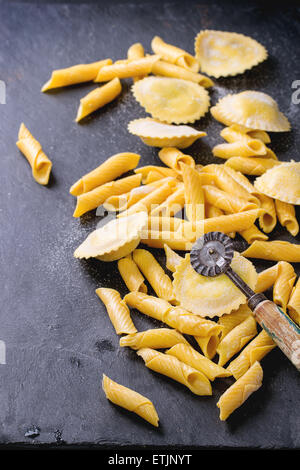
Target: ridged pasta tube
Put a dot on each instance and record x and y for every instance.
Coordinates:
(170, 366)
(242, 148)
(131, 68)
(238, 393)
(231, 320)
(130, 400)
(157, 338)
(287, 216)
(251, 166)
(117, 310)
(131, 274)
(172, 258)
(166, 69)
(276, 250)
(136, 51)
(225, 201)
(172, 157)
(174, 54)
(194, 195)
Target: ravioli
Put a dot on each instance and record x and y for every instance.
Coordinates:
(281, 182)
(253, 109)
(159, 134)
(221, 54)
(172, 100)
(211, 296)
(116, 239)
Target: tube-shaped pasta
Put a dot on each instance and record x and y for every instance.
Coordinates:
(136, 51)
(157, 239)
(117, 203)
(261, 135)
(165, 172)
(117, 310)
(108, 171)
(294, 303)
(276, 250)
(225, 201)
(228, 184)
(157, 338)
(98, 98)
(233, 319)
(191, 357)
(96, 197)
(234, 133)
(130, 400)
(132, 68)
(32, 150)
(266, 278)
(251, 166)
(131, 274)
(175, 317)
(208, 344)
(287, 216)
(174, 54)
(166, 69)
(236, 339)
(212, 211)
(242, 148)
(253, 233)
(75, 74)
(170, 366)
(194, 196)
(261, 345)
(238, 393)
(268, 220)
(152, 200)
(173, 204)
(283, 286)
(164, 223)
(154, 273)
(172, 258)
(172, 157)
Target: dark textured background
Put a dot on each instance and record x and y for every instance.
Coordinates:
(58, 336)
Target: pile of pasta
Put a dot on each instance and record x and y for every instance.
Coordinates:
(169, 206)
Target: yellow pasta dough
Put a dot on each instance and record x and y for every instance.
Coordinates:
(194, 194)
(251, 166)
(170, 366)
(250, 148)
(121, 202)
(136, 51)
(113, 241)
(175, 317)
(94, 198)
(221, 54)
(253, 233)
(158, 134)
(173, 204)
(157, 338)
(38, 160)
(235, 132)
(238, 393)
(98, 98)
(131, 68)
(163, 171)
(208, 344)
(236, 339)
(209, 296)
(287, 216)
(172, 258)
(131, 274)
(174, 54)
(188, 355)
(227, 202)
(172, 157)
(261, 345)
(75, 74)
(109, 170)
(252, 109)
(172, 100)
(276, 250)
(130, 400)
(294, 303)
(165, 69)
(233, 319)
(281, 182)
(117, 310)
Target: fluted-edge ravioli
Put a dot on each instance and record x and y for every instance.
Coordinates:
(172, 100)
(116, 239)
(281, 182)
(211, 296)
(158, 134)
(223, 54)
(253, 109)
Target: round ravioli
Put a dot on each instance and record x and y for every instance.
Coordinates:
(212, 296)
(252, 109)
(281, 182)
(172, 100)
(159, 134)
(116, 239)
(221, 54)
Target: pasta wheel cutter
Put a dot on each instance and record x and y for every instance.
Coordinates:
(211, 256)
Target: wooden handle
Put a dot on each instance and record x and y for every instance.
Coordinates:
(280, 328)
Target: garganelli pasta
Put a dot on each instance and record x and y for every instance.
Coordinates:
(132, 68)
(98, 98)
(157, 338)
(38, 160)
(170, 366)
(242, 148)
(172, 258)
(117, 310)
(276, 250)
(167, 69)
(287, 216)
(238, 393)
(174, 54)
(131, 274)
(136, 51)
(231, 320)
(294, 303)
(130, 400)
(209, 344)
(172, 157)
(251, 166)
(194, 195)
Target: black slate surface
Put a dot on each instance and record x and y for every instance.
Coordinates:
(58, 337)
